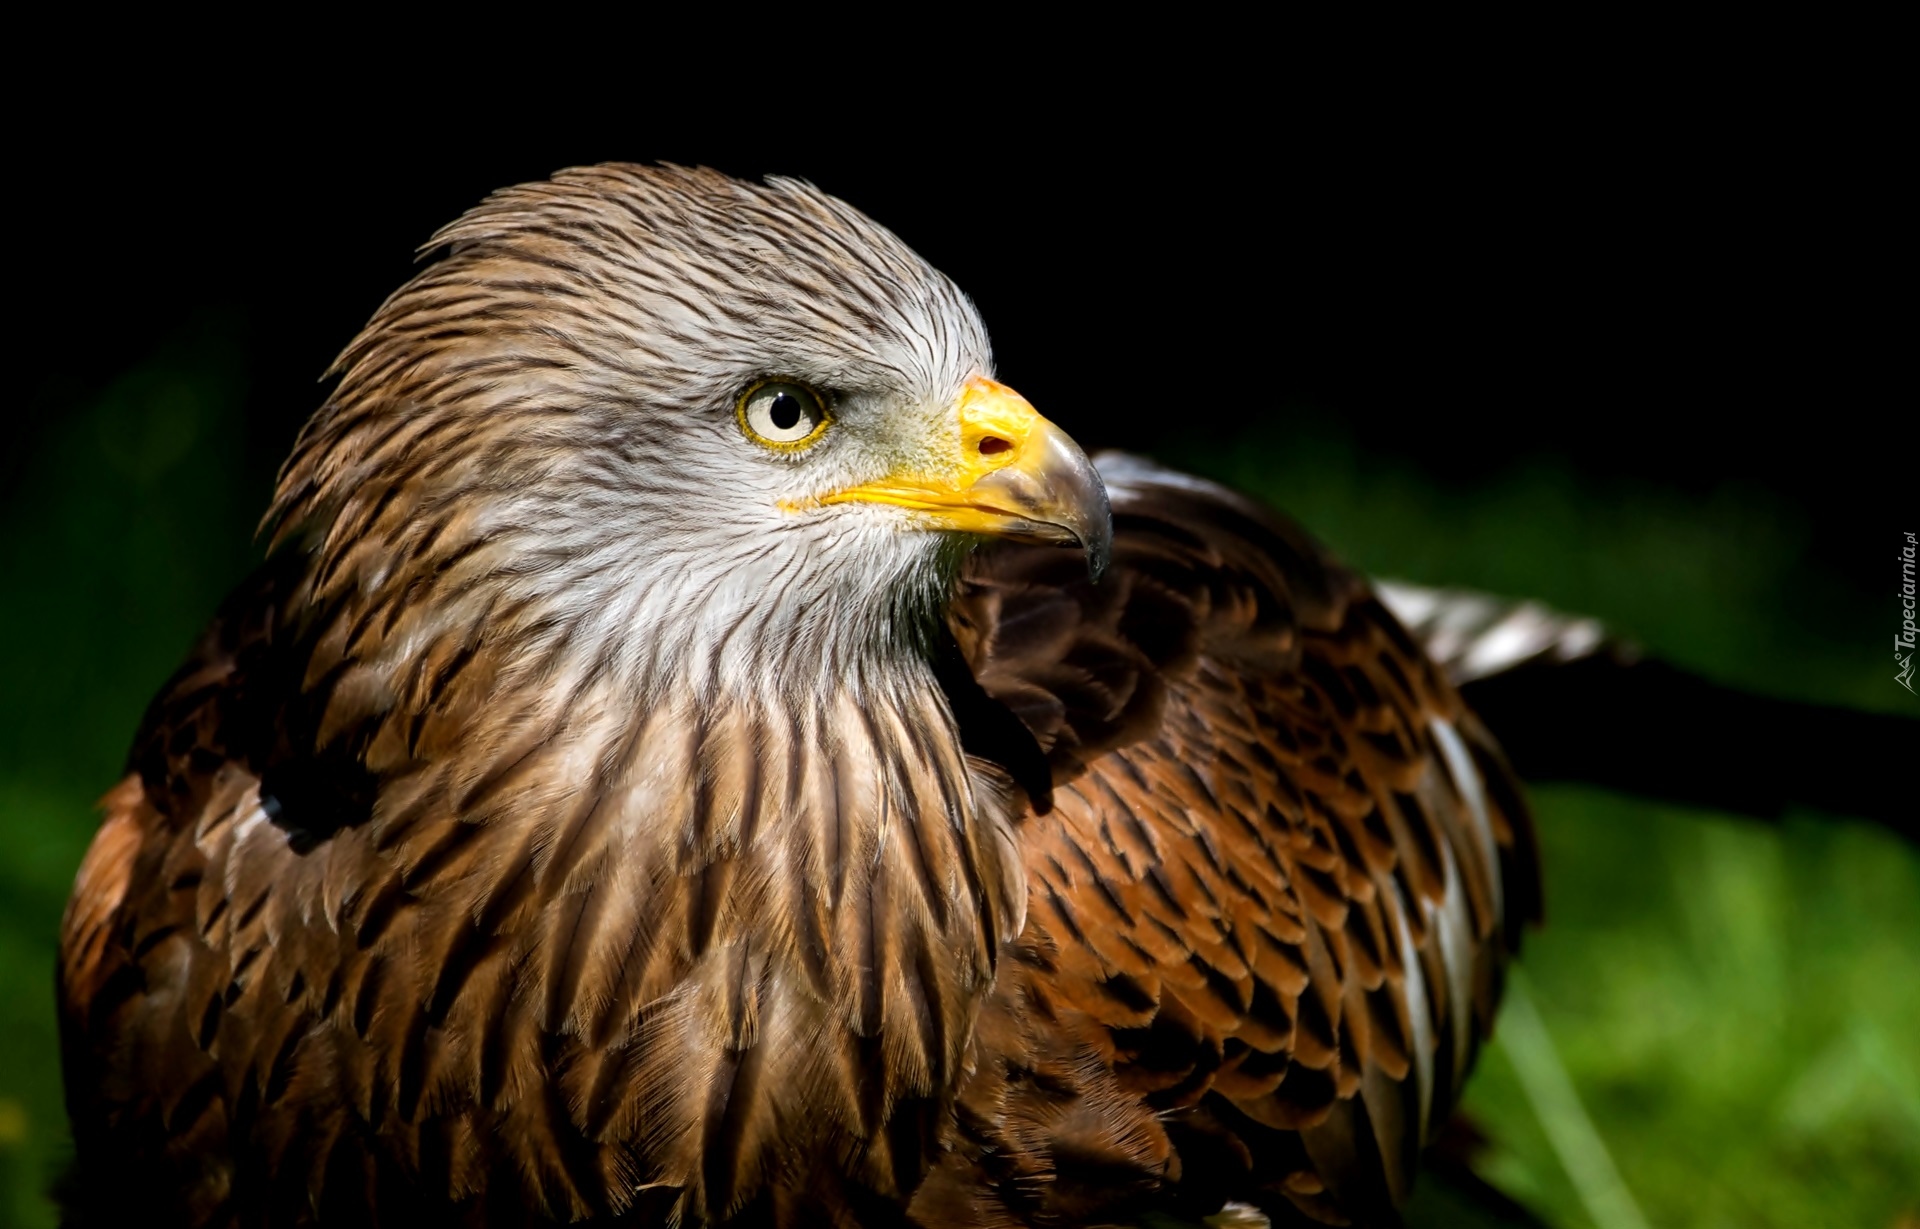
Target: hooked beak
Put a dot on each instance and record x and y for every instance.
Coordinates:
(1016, 475)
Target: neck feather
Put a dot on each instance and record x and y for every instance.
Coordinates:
(716, 802)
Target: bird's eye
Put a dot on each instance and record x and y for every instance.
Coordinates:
(783, 414)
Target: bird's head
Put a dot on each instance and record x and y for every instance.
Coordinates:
(663, 401)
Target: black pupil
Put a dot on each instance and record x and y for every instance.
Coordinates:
(785, 411)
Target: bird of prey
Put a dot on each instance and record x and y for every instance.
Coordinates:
(701, 751)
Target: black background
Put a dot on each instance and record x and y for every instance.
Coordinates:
(1660, 267)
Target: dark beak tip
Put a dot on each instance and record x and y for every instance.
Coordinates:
(1098, 557)
(1097, 536)
(1098, 544)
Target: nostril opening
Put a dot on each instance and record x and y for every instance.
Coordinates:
(993, 444)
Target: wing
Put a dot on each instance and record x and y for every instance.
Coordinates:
(1270, 907)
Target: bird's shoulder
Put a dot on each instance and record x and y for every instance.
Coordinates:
(1270, 905)
(142, 973)
(199, 729)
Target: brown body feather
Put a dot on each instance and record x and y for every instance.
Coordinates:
(502, 989)
(1255, 843)
(417, 909)
(1236, 979)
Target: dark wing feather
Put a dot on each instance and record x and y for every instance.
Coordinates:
(1269, 911)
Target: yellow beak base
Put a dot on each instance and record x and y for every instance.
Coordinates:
(1016, 475)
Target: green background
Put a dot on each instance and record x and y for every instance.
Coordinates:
(1735, 1003)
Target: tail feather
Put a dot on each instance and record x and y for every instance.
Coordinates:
(1571, 701)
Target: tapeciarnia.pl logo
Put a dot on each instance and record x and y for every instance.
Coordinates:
(1904, 640)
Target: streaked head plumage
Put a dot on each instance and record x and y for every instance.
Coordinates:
(560, 405)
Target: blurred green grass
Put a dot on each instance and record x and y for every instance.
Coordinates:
(1735, 1003)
